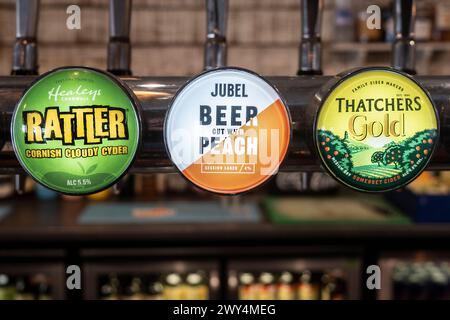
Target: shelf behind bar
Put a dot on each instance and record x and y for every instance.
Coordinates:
(155, 93)
(385, 47)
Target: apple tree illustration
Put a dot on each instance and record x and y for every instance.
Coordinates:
(331, 146)
(393, 154)
(377, 157)
(418, 147)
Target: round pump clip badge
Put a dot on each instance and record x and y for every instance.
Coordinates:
(376, 129)
(227, 130)
(76, 130)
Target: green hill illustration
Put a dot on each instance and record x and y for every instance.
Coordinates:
(354, 146)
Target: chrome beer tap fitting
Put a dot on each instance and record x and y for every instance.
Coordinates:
(25, 53)
(119, 49)
(404, 46)
(310, 59)
(216, 43)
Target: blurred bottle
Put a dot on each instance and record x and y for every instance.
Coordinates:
(338, 286)
(135, 290)
(6, 187)
(23, 290)
(300, 182)
(110, 290)
(66, 197)
(399, 282)
(344, 21)
(7, 290)
(146, 186)
(44, 193)
(127, 185)
(173, 287)
(197, 286)
(327, 287)
(438, 284)
(417, 282)
(421, 281)
(267, 288)
(101, 196)
(388, 22)
(43, 288)
(285, 287)
(247, 287)
(290, 182)
(423, 28)
(176, 184)
(155, 291)
(308, 288)
(442, 21)
(445, 267)
(30, 185)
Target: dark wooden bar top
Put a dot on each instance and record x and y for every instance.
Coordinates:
(55, 223)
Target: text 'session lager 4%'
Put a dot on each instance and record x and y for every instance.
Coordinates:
(76, 130)
(376, 129)
(227, 130)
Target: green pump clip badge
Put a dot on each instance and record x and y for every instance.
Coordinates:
(376, 129)
(76, 130)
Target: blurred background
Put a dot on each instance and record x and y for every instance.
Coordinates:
(300, 236)
(262, 35)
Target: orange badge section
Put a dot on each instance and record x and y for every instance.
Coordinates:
(247, 157)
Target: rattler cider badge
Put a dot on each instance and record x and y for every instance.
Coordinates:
(76, 130)
(376, 129)
(227, 130)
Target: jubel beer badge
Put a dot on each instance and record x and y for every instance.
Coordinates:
(227, 130)
(376, 129)
(76, 130)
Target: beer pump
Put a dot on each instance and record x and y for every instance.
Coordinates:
(215, 56)
(25, 48)
(216, 43)
(119, 49)
(404, 45)
(404, 48)
(310, 63)
(216, 53)
(310, 58)
(119, 56)
(25, 53)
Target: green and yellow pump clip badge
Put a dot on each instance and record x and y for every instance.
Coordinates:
(76, 130)
(376, 129)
